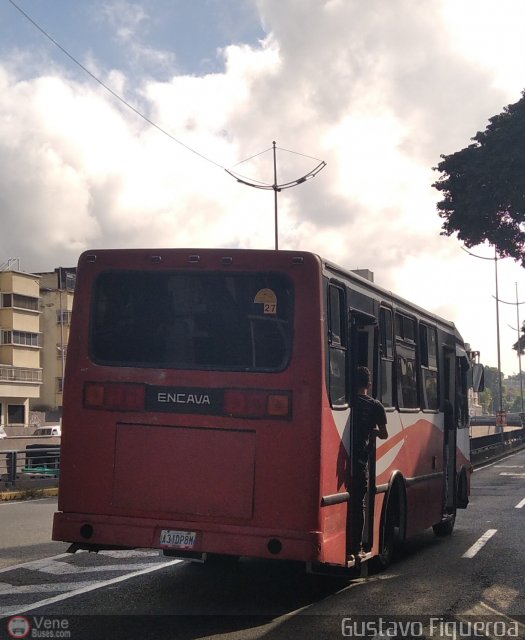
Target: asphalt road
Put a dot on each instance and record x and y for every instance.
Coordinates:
(25, 531)
(476, 575)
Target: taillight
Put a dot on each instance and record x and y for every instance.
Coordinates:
(257, 404)
(114, 395)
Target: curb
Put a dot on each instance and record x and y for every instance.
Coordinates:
(26, 494)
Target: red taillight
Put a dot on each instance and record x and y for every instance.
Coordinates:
(113, 395)
(256, 404)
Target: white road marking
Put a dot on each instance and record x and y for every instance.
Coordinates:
(480, 610)
(496, 462)
(64, 568)
(520, 504)
(5, 611)
(29, 565)
(514, 475)
(9, 589)
(121, 553)
(470, 553)
(13, 503)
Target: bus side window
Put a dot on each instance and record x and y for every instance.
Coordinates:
(386, 387)
(337, 347)
(429, 367)
(406, 369)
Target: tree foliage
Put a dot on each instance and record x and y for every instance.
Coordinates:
(520, 344)
(483, 186)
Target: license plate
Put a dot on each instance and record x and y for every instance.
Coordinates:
(177, 539)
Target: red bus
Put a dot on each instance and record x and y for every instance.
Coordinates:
(208, 408)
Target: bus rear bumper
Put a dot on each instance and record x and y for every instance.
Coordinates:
(99, 532)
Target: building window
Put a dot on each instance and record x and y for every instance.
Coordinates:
(60, 385)
(16, 414)
(61, 351)
(23, 338)
(63, 317)
(16, 301)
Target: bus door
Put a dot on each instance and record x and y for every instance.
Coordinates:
(363, 348)
(449, 426)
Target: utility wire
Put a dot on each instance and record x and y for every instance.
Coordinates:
(243, 179)
(110, 90)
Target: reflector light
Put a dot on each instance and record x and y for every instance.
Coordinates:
(278, 404)
(256, 404)
(113, 395)
(94, 395)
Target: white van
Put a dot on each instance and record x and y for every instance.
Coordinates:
(51, 430)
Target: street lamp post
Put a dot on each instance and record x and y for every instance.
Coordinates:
(518, 329)
(275, 186)
(500, 386)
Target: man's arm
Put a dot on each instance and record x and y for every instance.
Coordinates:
(381, 431)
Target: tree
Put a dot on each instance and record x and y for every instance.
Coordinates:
(520, 343)
(483, 186)
(490, 397)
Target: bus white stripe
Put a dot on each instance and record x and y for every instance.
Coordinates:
(520, 504)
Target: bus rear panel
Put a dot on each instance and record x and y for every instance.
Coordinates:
(189, 421)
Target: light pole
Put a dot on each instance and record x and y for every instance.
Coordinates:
(275, 186)
(518, 343)
(495, 258)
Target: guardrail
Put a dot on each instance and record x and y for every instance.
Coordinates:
(489, 447)
(36, 461)
(21, 468)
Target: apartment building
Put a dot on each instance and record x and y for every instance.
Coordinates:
(20, 344)
(56, 301)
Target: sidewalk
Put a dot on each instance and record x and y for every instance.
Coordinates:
(28, 486)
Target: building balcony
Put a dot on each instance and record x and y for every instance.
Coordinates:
(20, 374)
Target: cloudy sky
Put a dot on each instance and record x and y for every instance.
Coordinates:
(378, 90)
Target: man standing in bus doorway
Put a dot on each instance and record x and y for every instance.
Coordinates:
(369, 422)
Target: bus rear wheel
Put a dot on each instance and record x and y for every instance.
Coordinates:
(393, 530)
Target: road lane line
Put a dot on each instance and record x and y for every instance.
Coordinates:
(521, 504)
(480, 610)
(9, 589)
(470, 553)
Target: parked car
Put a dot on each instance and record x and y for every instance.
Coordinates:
(51, 430)
(3, 434)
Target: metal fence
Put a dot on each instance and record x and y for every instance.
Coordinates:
(486, 448)
(41, 462)
(36, 461)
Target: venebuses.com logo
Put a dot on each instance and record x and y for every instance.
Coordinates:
(18, 627)
(38, 627)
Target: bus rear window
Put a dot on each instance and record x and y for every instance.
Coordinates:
(192, 321)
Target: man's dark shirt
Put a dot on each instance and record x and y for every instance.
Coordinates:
(368, 412)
